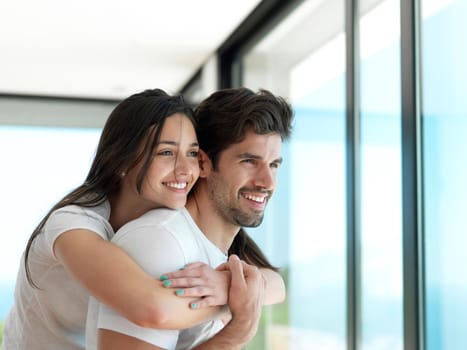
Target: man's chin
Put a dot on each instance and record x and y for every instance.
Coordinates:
(251, 221)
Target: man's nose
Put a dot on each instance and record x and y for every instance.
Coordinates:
(265, 178)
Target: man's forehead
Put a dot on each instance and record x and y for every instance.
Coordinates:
(258, 145)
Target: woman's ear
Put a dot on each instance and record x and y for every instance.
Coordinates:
(205, 164)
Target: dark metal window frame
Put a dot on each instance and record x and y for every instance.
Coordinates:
(353, 174)
(412, 210)
(263, 18)
(53, 98)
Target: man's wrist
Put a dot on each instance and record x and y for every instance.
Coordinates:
(237, 333)
(233, 336)
(244, 327)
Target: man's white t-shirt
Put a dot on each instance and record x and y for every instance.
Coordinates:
(54, 316)
(161, 241)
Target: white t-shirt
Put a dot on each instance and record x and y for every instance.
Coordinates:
(53, 317)
(161, 241)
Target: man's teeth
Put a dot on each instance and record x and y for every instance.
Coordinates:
(179, 185)
(254, 198)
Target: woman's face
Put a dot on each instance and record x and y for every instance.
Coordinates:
(174, 167)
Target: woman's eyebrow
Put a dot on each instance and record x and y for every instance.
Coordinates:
(174, 143)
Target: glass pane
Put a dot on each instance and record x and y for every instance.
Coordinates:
(380, 182)
(444, 87)
(303, 59)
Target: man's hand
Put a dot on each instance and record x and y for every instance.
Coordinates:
(246, 293)
(245, 302)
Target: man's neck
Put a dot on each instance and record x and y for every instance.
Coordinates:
(220, 232)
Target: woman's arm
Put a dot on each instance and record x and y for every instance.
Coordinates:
(110, 275)
(245, 299)
(214, 284)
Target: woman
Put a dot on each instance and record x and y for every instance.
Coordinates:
(146, 158)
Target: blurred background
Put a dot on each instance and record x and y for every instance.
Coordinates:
(368, 222)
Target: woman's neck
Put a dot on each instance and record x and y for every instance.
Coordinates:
(124, 209)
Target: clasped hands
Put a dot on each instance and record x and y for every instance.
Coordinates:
(234, 283)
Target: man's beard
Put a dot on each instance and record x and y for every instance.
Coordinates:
(243, 219)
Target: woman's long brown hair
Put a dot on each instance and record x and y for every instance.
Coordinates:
(119, 150)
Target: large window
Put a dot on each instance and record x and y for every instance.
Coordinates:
(311, 73)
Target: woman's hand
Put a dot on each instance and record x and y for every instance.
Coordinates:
(199, 280)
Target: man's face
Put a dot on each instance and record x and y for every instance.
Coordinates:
(246, 178)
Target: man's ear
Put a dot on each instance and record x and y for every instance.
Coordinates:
(205, 164)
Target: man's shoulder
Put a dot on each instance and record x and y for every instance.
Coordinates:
(160, 215)
(173, 221)
(153, 227)
(157, 228)
(154, 218)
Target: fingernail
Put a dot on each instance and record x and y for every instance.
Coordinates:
(167, 283)
(164, 277)
(179, 292)
(193, 305)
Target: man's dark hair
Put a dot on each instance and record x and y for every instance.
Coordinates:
(225, 117)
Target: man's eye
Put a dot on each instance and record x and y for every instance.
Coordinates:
(193, 154)
(275, 165)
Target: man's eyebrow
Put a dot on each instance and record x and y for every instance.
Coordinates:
(173, 143)
(248, 155)
(279, 160)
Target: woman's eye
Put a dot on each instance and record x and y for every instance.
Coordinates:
(165, 153)
(193, 154)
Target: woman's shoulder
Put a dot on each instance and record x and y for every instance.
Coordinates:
(95, 218)
(75, 217)
(99, 211)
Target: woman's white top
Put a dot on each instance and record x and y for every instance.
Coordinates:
(54, 316)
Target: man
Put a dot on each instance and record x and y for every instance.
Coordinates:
(240, 134)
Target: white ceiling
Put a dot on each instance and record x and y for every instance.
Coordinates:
(109, 48)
